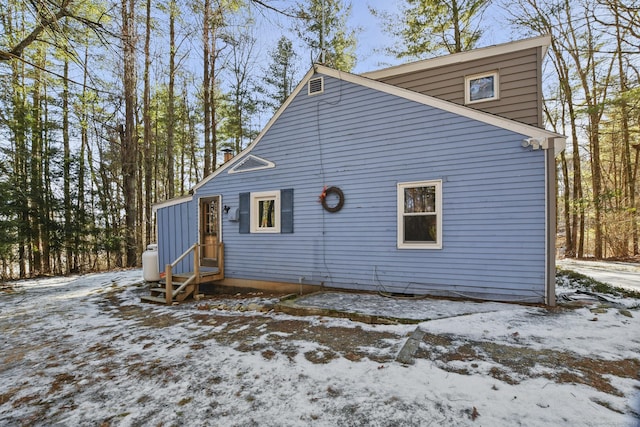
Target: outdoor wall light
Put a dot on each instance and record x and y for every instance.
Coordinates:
(226, 209)
(534, 143)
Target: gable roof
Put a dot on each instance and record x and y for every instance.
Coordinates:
(366, 81)
(455, 58)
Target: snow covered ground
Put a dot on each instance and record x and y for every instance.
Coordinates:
(84, 351)
(621, 274)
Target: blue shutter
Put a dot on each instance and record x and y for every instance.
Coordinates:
(243, 212)
(286, 210)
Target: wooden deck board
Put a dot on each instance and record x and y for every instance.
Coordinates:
(203, 275)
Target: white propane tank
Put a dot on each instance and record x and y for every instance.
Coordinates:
(150, 270)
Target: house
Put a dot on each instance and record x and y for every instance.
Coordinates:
(430, 178)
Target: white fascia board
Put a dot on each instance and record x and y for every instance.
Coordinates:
(481, 116)
(171, 202)
(559, 145)
(257, 139)
(530, 131)
(484, 52)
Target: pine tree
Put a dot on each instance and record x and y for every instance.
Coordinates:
(279, 76)
(323, 28)
(435, 26)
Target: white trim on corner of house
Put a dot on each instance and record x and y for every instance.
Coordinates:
(172, 202)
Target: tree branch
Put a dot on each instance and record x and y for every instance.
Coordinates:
(275, 9)
(45, 23)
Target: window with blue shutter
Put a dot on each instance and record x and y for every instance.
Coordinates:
(266, 212)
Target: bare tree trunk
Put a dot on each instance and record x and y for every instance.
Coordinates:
(146, 118)
(569, 245)
(457, 34)
(213, 108)
(35, 184)
(191, 142)
(66, 173)
(206, 88)
(596, 182)
(46, 216)
(171, 119)
(128, 132)
(82, 253)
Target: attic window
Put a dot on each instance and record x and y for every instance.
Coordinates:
(252, 163)
(481, 87)
(316, 86)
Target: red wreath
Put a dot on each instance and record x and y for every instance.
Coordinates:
(323, 198)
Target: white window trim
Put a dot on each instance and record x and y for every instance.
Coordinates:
(255, 198)
(266, 165)
(400, 214)
(467, 87)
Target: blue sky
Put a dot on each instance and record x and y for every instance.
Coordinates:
(372, 40)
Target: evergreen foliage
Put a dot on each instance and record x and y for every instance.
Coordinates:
(86, 152)
(279, 77)
(435, 27)
(323, 26)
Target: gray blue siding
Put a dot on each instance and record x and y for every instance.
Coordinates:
(365, 142)
(177, 230)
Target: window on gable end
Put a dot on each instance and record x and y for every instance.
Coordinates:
(481, 87)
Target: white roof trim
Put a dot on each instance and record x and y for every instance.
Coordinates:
(171, 202)
(501, 122)
(455, 58)
(481, 116)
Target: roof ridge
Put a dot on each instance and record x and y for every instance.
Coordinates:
(482, 52)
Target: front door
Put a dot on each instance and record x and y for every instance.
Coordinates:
(209, 230)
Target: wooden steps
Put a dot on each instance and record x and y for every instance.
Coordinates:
(159, 292)
(180, 286)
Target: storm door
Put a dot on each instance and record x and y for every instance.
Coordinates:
(209, 230)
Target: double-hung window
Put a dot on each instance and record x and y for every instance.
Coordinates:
(420, 215)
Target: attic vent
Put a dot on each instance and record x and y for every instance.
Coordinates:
(252, 163)
(316, 86)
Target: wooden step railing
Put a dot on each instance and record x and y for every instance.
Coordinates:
(194, 278)
(169, 295)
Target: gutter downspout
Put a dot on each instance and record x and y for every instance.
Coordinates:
(550, 213)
